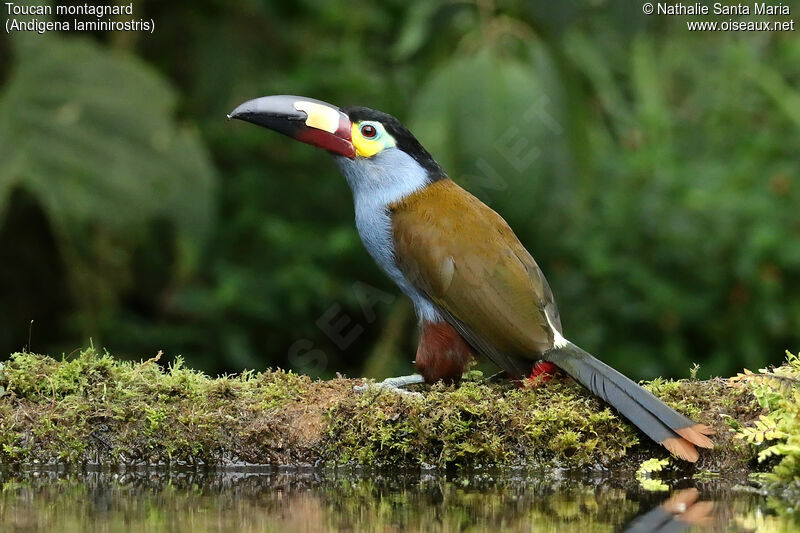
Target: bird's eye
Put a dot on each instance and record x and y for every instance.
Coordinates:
(368, 131)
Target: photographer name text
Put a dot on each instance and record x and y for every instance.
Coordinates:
(718, 8)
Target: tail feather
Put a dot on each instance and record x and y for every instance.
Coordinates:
(697, 434)
(682, 448)
(657, 420)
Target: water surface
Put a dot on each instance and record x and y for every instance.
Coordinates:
(335, 500)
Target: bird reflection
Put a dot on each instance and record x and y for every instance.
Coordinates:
(678, 513)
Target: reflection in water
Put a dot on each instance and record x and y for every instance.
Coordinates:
(678, 513)
(312, 501)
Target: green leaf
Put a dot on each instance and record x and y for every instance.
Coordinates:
(415, 31)
(496, 124)
(91, 135)
(653, 485)
(651, 465)
(645, 471)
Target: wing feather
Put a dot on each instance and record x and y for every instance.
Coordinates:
(469, 263)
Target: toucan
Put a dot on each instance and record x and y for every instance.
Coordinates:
(474, 286)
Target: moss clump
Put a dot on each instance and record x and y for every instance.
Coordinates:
(478, 423)
(719, 404)
(95, 409)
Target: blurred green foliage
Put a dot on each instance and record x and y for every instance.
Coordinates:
(651, 171)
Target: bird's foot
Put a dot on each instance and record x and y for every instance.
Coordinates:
(498, 376)
(542, 372)
(395, 384)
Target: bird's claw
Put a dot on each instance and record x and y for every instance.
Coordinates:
(395, 384)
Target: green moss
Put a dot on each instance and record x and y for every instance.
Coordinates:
(477, 423)
(556, 423)
(95, 408)
(92, 408)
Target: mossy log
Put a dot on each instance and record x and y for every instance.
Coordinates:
(94, 409)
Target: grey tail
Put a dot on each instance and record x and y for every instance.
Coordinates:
(657, 420)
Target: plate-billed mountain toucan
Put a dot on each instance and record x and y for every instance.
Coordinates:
(474, 286)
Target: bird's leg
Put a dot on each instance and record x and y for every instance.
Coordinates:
(442, 355)
(395, 384)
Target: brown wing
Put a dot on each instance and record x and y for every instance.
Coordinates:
(468, 261)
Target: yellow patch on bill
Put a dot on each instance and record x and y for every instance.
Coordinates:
(319, 116)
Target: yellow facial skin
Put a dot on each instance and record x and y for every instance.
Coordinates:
(369, 146)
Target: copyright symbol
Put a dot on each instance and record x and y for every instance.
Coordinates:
(647, 8)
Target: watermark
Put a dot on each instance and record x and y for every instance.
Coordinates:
(341, 328)
(39, 18)
(779, 14)
(515, 147)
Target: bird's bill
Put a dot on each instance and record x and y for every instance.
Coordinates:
(305, 119)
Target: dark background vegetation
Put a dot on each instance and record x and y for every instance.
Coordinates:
(651, 171)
